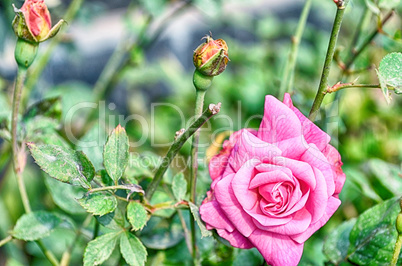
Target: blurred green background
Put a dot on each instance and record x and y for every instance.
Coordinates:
(142, 50)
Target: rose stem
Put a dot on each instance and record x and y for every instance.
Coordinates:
(176, 146)
(397, 250)
(367, 42)
(16, 103)
(199, 103)
(5, 240)
(18, 171)
(288, 75)
(36, 71)
(328, 60)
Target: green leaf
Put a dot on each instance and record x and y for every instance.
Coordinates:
(100, 249)
(115, 154)
(337, 244)
(99, 203)
(387, 174)
(373, 7)
(132, 249)
(50, 107)
(63, 164)
(373, 237)
(137, 215)
(179, 186)
(36, 225)
(197, 218)
(390, 70)
(65, 195)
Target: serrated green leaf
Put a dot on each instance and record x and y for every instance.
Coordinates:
(137, 215)
(337, 244)
(132, 249)
(194, 210)
(63, 164)
(115, 154)
(391, 69)
(362, 182)
(373, 237)
(179, 186)
(65, 195)
(36, 225)
(100, 249)
(98, 203)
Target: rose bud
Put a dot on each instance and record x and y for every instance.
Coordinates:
(211, 57)
(32, 22)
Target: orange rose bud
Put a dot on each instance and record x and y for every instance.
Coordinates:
(32, 22)
(211, 57)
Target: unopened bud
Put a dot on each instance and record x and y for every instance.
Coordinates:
(32, 22)
(211, 57)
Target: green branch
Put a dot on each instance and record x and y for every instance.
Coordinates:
(328, 61)
(176, 146)
(288, 75)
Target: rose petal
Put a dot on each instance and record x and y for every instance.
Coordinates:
(332, 206)
(311, 132)
(275, 176)
(250, 147)
(235, 239)
(279, 122)
(301, 170)
(316, 159)
(266, 220)
(334, 158)
(318, 199)
(241, 182)
(213, 215)
(231, 207)
(299, 223)
(277, 250)
(293, 148)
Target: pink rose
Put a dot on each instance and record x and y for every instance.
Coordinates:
(32, 22)
(37, 17)
(273, 188)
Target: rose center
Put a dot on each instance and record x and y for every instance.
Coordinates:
(275, 197)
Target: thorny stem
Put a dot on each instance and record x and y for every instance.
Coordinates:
(349, 63)
(16, 153)
(176, 146)
(16, 149)
(341, 86)
(288, 76)
(328, 61)
(199, 103)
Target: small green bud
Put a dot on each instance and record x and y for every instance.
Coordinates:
(211, 57)
(201, 82)
(25, 52)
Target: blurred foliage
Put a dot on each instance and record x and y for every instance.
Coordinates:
(365, 129)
